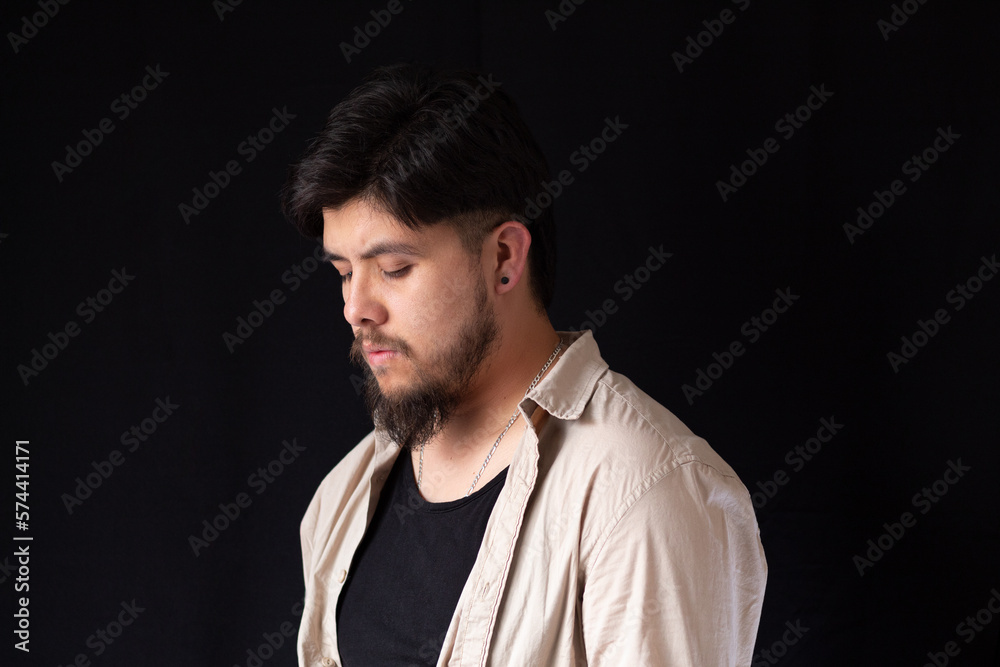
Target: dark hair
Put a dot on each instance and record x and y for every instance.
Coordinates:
(429, 146)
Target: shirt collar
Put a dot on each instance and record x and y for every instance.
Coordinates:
(568, 386)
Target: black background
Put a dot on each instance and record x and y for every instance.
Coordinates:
(162, 336)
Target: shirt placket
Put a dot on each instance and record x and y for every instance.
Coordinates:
(473, 641)
(377, 473)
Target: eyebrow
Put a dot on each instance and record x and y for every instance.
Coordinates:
(380, 248)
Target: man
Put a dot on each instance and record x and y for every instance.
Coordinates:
(517, 503)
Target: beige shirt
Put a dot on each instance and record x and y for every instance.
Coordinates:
(619, 538)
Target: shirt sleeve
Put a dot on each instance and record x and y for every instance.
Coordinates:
(679, 580)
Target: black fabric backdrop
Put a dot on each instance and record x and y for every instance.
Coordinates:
(688, 113)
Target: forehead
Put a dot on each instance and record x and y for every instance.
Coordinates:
(357, 231)
(356, 222)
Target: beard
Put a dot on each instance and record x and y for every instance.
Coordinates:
(411, 416)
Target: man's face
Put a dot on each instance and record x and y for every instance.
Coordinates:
(422, 321)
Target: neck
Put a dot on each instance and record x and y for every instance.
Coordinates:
(496, 391)
(455, 454)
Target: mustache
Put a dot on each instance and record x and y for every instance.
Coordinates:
(357, 352)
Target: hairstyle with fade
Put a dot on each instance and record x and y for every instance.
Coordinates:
(428, 146)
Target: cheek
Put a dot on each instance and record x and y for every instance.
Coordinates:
(429, 327)
(432, 303)
(430, 309)
(425, 322)
(456, 290)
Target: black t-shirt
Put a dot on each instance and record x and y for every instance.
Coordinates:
(409, 571)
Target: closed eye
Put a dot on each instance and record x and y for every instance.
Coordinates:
(391, 275)
(398, 273)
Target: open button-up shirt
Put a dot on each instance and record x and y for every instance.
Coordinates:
(619, 538)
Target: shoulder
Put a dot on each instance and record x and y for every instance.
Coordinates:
(629, 455)
(640, 434)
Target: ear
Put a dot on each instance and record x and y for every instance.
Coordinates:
(510, 242)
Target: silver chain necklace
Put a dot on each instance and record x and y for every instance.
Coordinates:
(513, 418)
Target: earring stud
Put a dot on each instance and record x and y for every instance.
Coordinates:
(505, 280)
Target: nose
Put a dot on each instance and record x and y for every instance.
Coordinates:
(362, 305)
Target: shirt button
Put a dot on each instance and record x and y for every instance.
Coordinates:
(486, 589)
(328, 662)
(340, 577)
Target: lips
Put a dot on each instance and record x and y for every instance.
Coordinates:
(377, 355)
